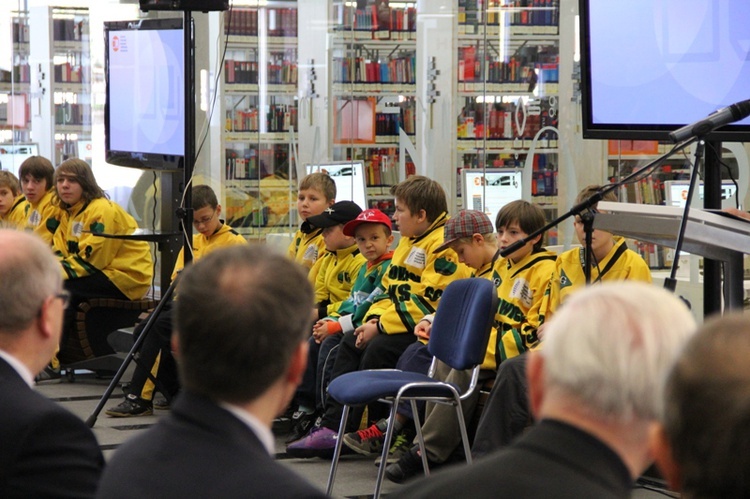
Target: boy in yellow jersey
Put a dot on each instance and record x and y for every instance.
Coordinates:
(40, 214)
(11, 200)
(155, 352)
(521, 279)
(95, 266)
(506, 412)
(317, 191)
(413, 287)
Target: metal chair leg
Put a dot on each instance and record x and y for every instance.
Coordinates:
(384, 454)
(420, 439)
(337, 450)
(464, 433)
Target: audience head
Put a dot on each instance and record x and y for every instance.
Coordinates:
(372, 232)
(31, 298)
(317, 191)
(206, 210)
(332, 221)
(610, 344)
(37, 176)
(602, 241)
(471, 236)
(74, 181)
(703, 443)
(241, 319)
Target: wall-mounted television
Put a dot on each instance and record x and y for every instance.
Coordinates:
(649, 67)
(349, 177)
(144, 111)
(490, 189)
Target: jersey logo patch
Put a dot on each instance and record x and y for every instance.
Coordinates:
(417, 258)
(564, 280)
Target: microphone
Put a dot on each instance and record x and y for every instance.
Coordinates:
(724, 116)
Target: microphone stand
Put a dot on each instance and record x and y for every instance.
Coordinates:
(584, 210)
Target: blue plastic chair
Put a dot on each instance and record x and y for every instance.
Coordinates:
(459, 337)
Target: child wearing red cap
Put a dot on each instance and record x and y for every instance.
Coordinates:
(371, 230)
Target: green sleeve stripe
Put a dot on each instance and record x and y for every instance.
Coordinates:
(405, 318)
(86, 266)
(69, 270)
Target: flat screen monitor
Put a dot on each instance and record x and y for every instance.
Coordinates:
(144, 111)
(349, 177)
(12, 155)
(675, 193)
(490, 189)
(649, 67)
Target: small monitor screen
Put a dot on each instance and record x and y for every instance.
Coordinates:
(676, 191)
(145, 106)
(490, 189)
(12, 155)
(349, 178)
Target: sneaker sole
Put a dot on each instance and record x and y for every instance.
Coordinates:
(114, 414)
(354, 445)
(310, 453)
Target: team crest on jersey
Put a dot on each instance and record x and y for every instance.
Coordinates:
(564, 280)
(77, 229)
(497, 280)
(445, 267)
(522, 292)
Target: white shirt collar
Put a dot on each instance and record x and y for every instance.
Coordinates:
(261, 431)
(20, 368)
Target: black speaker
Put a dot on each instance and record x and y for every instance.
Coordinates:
(197, 5)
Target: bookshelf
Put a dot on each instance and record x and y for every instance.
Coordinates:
(259, 107)
(372, 65)
(506, 98)
(61, 81)
(15, 118)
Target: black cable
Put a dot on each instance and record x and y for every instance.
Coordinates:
(153, 228)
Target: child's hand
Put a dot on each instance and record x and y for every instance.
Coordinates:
(320, 331)
(540, 331)
(422, 329)
(365, 333)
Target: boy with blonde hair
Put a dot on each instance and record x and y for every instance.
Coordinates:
(317, 191)
(413, 287)
(11, 200)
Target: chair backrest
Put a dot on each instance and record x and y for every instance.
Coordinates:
(462, 324)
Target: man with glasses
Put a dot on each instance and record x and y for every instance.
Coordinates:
(46, 451)
(155, 353)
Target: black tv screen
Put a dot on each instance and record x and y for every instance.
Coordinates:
(651, 66)
(144, 111)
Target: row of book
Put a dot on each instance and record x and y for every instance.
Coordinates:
(244, 22)
(521, 67)
(72, 114)
(70, 30)
(649, 190)
(362, 70)
(378, 17)
(20, 31)
(278, 71)
(512, 12)
(69, 73)
(21, 74)
(253, 163)
(278, 118)
(501, 121)
(388, 124)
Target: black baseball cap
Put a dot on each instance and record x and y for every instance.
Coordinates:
(339, 213)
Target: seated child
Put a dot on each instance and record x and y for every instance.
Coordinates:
(155, 355)
(317, 191)
(372, 232)
(506, 412)
(40, 214)
(95, 266)
(414, 284)
(11, 200)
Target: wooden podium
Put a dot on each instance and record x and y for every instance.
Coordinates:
(711, 234)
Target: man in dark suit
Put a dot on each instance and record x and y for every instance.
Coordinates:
(593, 387)
(701, 442)
(45, 451)
(242, 314)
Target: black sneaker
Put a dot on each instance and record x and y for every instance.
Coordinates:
(160, 402)
(302, 423)
(407, 467)
(130, 407)
(48, 374)
(282, 425)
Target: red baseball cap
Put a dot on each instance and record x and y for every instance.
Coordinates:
(371, 216)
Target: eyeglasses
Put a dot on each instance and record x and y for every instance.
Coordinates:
(204, 221)
(64, 296)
